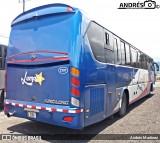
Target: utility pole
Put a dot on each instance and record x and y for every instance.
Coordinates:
(23, 5)
(3, 36)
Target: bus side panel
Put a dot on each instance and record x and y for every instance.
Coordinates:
(118, 97)
(111, 97)
(124, 76)
(95, 87)
(95, 103)
(140, 85)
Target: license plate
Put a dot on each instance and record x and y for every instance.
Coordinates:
(31, 114)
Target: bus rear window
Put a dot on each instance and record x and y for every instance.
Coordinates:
(45, 33)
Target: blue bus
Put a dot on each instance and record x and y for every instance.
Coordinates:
(65, 69)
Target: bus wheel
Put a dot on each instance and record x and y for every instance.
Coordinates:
(151, 90)
(123, 108)
(2, 100)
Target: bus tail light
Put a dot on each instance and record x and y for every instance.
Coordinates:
(69, 9)
(75, 81)
(75, 101)
(5, 108)
(75, 91)
(75, 71)
(75, 84)
(68, 119)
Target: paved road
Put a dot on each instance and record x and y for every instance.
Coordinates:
(143, 117)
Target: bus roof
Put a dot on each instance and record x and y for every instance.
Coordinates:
(39, 11)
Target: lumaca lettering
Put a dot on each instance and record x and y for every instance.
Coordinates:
(29, 80)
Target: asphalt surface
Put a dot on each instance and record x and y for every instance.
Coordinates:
(143, 117)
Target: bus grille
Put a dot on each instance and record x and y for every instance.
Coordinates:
(96, 101)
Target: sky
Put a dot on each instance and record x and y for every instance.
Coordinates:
(140, 27)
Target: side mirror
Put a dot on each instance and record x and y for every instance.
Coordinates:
(157, 66)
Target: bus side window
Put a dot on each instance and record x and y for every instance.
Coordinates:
(147, 62)
(128, 55)
(95, 36)
(151, 67)
(117, 51)
(107, 38)
(123, 53)
(134, 57)
(144, 61)
(109, 52)
(139, 60)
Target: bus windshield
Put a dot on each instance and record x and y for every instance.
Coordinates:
(42, 33)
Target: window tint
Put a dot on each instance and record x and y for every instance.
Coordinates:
(139, 65)
(134, 57)
(95, 36)
(144, 61)
(151, 64)
(108, 49)
(109, 53)
(107, 38)
(109, 56)
(128, 57)
(147, 60)
(118, 52)
(123, 53)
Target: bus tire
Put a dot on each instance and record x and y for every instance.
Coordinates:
(2, 100)
(123, 108)
(151, 90)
